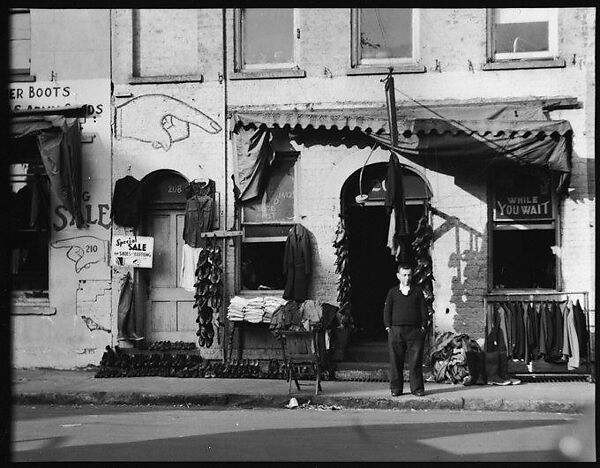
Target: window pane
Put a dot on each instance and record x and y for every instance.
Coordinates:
(521, 37)
(268, 35)
(19, 48)
(524, 259)
(29, 216)
(165, 42)
(277, 203)
(521, 29)
(19, 26)
(19, 55)
(262, 265)
(385, 33)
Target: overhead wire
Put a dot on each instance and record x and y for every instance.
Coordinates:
(458, 124)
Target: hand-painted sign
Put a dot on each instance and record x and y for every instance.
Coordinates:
(133, 251)
(522, 208)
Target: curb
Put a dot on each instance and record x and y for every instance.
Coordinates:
(279, 401)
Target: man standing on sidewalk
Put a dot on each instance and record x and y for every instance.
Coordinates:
(404, 318)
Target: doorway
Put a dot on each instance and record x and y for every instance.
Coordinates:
(372, 267)
(167, 309)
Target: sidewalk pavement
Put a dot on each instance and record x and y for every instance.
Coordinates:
(49, 386)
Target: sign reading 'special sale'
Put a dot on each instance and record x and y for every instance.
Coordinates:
(133, 251)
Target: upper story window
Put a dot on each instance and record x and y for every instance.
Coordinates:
(384, 38)
(19, 40)
(265, 43)
(523, 33)
(165, 44)
(268, 38)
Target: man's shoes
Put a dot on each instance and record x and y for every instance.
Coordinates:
(396, 393)
(419, 393)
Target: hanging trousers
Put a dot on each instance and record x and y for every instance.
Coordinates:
(406, 341)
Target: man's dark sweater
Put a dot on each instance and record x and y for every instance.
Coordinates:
(405, 310)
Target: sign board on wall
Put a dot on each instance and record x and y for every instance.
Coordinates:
(133, 251)
(522, 197)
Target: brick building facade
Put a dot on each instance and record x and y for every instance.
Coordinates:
(202, 70)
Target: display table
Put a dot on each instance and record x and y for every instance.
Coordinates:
(240, 326)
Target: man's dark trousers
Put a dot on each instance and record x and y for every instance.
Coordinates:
(406, 339)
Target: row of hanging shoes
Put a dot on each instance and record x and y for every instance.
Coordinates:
(209, 292)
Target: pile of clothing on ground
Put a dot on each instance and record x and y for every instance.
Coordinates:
(458, 359)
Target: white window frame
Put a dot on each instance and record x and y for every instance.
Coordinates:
(21, 11)
(532, 14)
(358, 61)
(240, 64)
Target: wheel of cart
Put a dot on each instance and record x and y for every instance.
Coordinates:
(302, 348)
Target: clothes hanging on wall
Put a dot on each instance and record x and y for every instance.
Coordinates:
(555, 331)
(126, 207)
(189, 260)
(297, 259)
(199, 211)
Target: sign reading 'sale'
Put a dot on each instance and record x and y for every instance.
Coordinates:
(133, 251)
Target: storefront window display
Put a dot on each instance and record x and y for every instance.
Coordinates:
(524, 227)
(266, 222)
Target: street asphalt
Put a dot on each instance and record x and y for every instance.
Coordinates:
(50, 386)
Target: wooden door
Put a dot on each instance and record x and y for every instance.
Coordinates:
(168, 314)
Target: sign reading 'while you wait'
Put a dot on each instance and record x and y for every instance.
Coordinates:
(526, 207)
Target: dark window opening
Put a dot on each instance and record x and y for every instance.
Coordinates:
(29, 226)
(524, 259)
(262, 265)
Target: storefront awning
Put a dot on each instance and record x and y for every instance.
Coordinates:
(519, 131)
(58, 140)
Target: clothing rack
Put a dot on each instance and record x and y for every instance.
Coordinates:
(543, 296)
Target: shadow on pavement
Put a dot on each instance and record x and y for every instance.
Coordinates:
(378, 442)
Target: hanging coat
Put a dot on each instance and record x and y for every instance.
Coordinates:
(127, 202)
(558, 330)
(573, 362)
(581, 328)
(520, 331)
(297, 263)
(542, 337)
(396, 208)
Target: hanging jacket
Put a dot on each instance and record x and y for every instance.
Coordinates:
(566, 348)
(581, 328)
(512, 328)
(542, 337)
(503, 327)
(297, 263)
(535, 312)
(549, 330)
(126, 209)
(199, 211)
(520, 331)
(527, 322)
(557, 342)
(574, 361)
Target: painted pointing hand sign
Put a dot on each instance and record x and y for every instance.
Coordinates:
(160, 120)
(83, 251)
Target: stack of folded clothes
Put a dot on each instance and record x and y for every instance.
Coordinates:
(254, 310)
(235, 311)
